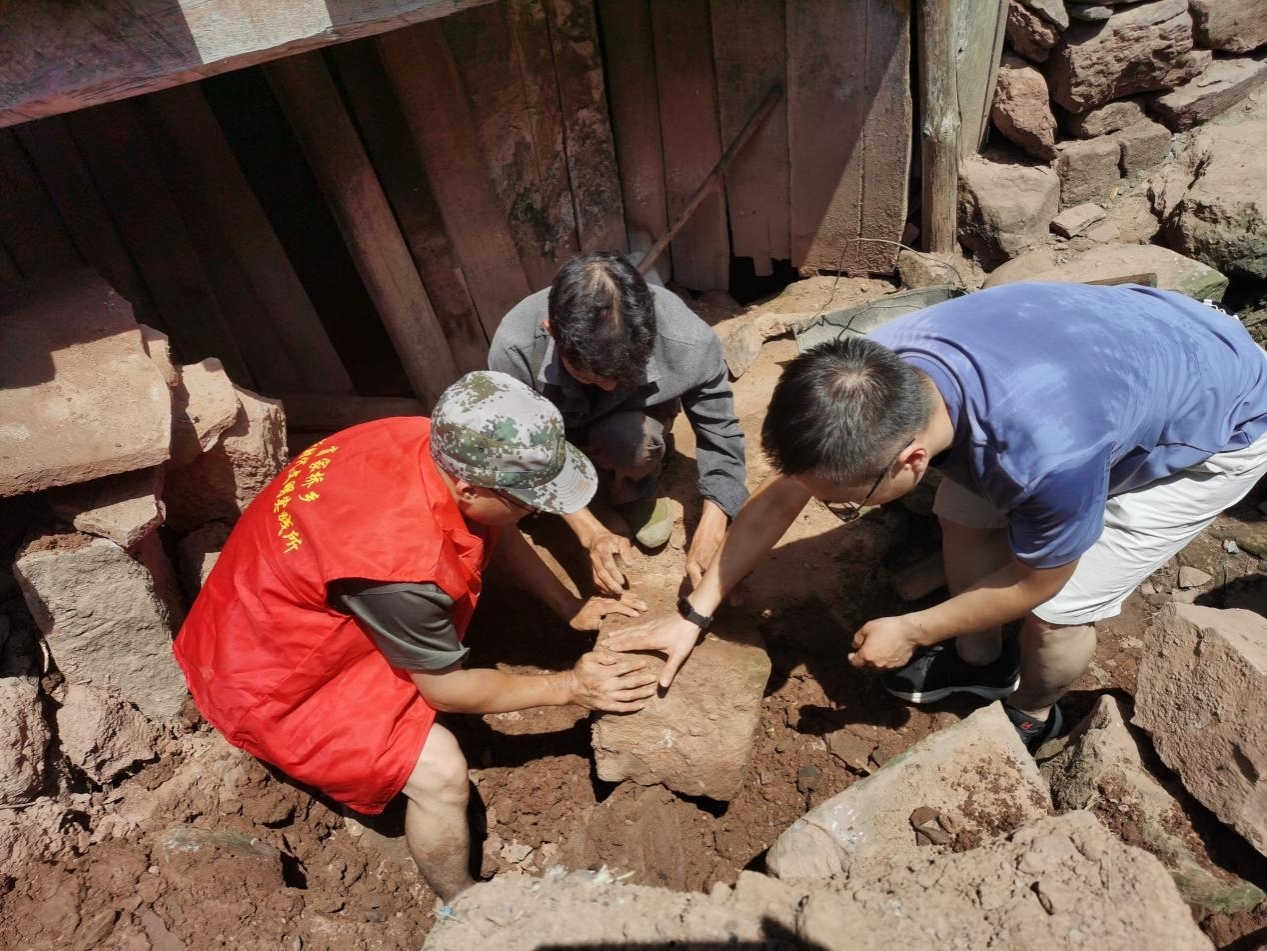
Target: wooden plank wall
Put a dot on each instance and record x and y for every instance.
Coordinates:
(455, 165)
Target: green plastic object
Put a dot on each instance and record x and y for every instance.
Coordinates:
(865, 318)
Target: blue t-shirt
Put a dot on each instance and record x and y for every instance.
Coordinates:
(1064, 394)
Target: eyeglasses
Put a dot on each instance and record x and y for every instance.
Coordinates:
(848, 512)
(514, 502)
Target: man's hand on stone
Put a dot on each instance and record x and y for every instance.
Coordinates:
(604, 551)
(709, 535)
(618, 683)
(886, 642)
(674, 635)
(592, 610)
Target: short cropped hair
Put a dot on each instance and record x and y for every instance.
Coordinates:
(602, 316)
(843, 409)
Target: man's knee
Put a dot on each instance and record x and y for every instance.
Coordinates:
(440, 773)
(630, 442)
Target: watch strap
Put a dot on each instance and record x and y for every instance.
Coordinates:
(684, 608)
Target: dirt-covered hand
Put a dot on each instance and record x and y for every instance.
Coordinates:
(604, 550)
(593, 610)
(674, 635)
(886, 643)
(619, 683)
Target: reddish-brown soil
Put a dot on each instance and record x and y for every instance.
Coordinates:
(90, 869)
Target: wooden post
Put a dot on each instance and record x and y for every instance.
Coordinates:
(325, 132)
(939, 125)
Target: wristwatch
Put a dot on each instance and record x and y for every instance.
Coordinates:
(701, 621)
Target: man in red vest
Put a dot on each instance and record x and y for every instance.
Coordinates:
(329, 632)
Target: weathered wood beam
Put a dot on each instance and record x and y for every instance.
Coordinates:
(939, 125)
(58, 57)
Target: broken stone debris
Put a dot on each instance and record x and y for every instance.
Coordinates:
(1139, 48)
(123, 508)
(81, 399)
(1073, 221)
(205, 405)
(1100, 769)
(1174, 271)
(1222, 84)
(24, 739)
(1005, 206)
(222, 482)
(1202, 679)
(102, 734)
(1043, 888)
(865, 830)
(1021, 110)
(105, 622)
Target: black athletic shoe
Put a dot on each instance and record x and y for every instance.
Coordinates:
(938, 671)
(1034, 733)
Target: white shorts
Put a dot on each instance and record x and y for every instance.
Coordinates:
(1143, 529)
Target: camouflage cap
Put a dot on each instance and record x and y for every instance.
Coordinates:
(490, 430)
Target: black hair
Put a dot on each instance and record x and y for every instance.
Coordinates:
(602, 316)
(841, 410)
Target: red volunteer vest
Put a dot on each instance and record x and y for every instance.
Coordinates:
(289, 679)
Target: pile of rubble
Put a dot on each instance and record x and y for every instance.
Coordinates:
(966, 841)
(121, 474)
(1100, 108)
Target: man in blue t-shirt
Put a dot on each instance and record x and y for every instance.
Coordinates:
(1086, 435)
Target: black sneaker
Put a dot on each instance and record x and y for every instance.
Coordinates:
(938, 671)
(1034, 733)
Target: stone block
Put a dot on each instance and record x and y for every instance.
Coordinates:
(977, 775)
(24, 738)
(1202, 679)
(1053, 11)
(223, 481)
(158, 347)
(1029, 34)
(1145, 145)
(80, 399)
(1222, 84)
(1110, 117)
(1174, 271)
(919, 269)
(697, 737)
(102, 734)
(741, 342)
(1134, 220)
(123, 508)
(197, 553)
(1005, 206)
(1090, 12)
(1100, 769)
(1218, 215)
(1021, 109)
(1073, 221)
(103, 619)
(1089, 170)
(1140, 48)
(204, 405)
(1234, 26)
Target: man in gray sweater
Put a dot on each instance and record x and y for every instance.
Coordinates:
(619, 358)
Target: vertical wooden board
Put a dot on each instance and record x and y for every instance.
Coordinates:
(750, 49)
(430, 93)
(290, 322)
(692, 140)
(629, 56)
(63, 172)
(267, 358)
(591, 152)
(399, 167)
(513, 97)
(29, 224)
(979, 27)
(308, 96)
(886, 135)
(122, 163)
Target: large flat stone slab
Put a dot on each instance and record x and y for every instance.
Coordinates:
(1174, 271)
(123, 508)
(1222, 84)
(1139, 48)
(1063, 882)
(697, 737)
(1100, 769)
(976, 776)
(1202, 680)
(80, 398)
(103, 619)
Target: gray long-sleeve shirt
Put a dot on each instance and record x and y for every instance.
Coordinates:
(686, 363)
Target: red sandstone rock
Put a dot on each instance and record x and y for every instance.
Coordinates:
(80, 399)
(1223, 84)
(1005, 206)
(123, 508)
(1144, 145)
(1029, 34)
(1236, 26)
(102, 734)
(1089, 170)
(1110, 117)
(1021, 110)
